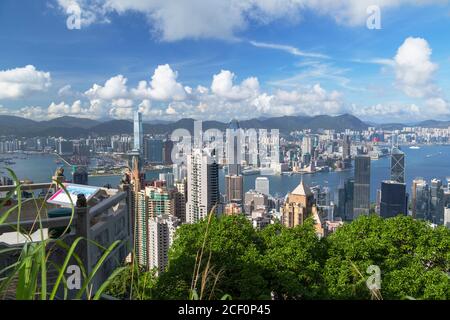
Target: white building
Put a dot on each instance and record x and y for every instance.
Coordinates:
(161, 234)
(262, 185)
(202, 186)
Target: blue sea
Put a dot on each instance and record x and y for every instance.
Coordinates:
(427, 162)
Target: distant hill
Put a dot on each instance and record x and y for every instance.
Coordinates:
(70, 122)
(71, 127)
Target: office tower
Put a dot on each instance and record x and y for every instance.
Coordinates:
(420, 199)
(393, 200)
(161, 234)
(154, 150)
(397, 165)
(167, 152)
(437, 202)
(255, 200)
(80, 175)
(234, 188)
(168, 178)
(306, 145)
(233, 135)
(202, 186)
(298, 206)
(262, 185)
(361, 187)
(158, 201)
(346, 147)
(138, 141)
(345, 200)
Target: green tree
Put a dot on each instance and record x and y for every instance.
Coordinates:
(232, 254)
(413, 258)
(293, 260)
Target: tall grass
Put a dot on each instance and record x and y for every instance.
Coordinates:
(28, 276)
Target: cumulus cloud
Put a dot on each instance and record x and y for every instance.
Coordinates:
(114, 88)
(162, 87)
(179, 19)
(222, 85)
(414, 69)
(18, 82)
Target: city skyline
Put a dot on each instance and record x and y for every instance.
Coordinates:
(130, 56)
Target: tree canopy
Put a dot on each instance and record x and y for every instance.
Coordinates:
(228, 256)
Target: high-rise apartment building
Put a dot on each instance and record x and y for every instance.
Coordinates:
(161, 234)
(361, 186)
(202, 186)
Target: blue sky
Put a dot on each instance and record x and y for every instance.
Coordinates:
(225, 59)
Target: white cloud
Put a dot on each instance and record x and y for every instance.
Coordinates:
(414, 69)
(162, 87)
(289, 49)
(114, 88)
(222, 85)
(18, 82)
(180, 19)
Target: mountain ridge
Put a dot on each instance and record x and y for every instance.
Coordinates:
(70, 127)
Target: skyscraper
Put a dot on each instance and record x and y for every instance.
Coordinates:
(437, 202)
(138, 141)
(346, 147)
(361, 188)
(397, 165)
(234, 188)
(161, 233)
(420, 201)
(262, 185)
(203, 186)
(393, 199)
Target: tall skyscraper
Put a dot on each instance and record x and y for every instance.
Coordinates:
(420, 200)
(262, 185)
(393, 199)
(161, 234)
(346, 147)
(154, 151)
(203, 186)
(437, 202)
(138, 141)
(234, 188)
(234, 148)
(397, 165)
(361, 188)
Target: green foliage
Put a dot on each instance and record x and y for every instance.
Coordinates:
(413, 258)
(244, 263)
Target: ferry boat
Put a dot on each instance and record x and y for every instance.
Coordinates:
(414, 147)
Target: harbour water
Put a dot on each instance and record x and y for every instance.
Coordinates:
(427, 162)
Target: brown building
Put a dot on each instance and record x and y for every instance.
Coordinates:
(299, 206)
(234, 186)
